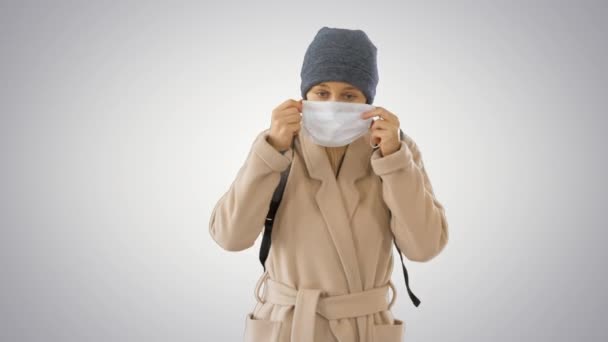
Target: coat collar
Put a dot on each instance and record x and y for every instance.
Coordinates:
(338, 198)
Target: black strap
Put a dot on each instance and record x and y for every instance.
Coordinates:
(274, 205)
(413, 297)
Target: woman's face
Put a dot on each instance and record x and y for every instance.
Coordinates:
(335, 91)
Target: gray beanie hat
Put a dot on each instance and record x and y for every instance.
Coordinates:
(344, 55)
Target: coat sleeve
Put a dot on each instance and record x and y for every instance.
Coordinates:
(239, 216)
(418, 220)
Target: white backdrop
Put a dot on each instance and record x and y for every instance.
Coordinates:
(123, 123)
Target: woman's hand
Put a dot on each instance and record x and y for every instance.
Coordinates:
(285, 124)
(385, 130)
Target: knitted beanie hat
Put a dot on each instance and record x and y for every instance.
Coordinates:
(345, 55)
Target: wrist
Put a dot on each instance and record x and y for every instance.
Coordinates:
(271, 142)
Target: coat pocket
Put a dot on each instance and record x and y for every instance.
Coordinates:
(389, 332)
(261, 330)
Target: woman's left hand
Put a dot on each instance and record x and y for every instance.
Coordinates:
(385, 130)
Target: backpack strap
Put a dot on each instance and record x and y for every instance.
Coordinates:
(274, 205)
(413, 297)
(272, 210)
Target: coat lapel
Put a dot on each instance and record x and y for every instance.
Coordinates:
(339, 198)
(356, 164)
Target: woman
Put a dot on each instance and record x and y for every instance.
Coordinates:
(328, 274)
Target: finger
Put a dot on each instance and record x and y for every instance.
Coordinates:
(386, 128)
(383, 125)
(378, 136)
(294, 127)
(385, 115)
(288, 103)
(297, 131)
(291, 118)
(288, 129)
(375, 138)
(289, 111)
(382, 113)
(370, 113)
(373, 122)
(381, 133)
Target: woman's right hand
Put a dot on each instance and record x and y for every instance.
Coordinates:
(285, 124)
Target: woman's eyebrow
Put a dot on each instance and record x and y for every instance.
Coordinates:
(323, 85)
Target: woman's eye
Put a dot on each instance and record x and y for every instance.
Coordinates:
(321, 93)
(351, 96)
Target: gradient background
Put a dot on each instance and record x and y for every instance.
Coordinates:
(122, 124)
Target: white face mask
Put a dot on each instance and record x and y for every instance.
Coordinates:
(334, 123)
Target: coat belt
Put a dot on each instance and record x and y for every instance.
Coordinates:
(308, 302)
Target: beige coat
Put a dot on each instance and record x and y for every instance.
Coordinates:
(328, 273)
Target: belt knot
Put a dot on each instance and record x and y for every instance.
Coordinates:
(308, 302)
